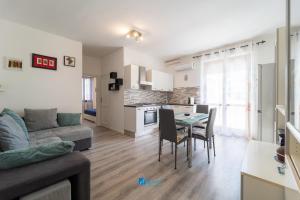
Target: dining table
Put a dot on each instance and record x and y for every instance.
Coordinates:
(189, 120)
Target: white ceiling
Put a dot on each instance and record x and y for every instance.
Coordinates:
(171, 27)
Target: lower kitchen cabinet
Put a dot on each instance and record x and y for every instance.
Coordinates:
(133, 121)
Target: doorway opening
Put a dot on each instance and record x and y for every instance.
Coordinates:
(89, 98)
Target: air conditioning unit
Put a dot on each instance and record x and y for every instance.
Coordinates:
(181, 64)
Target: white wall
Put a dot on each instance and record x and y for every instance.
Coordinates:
(265, 53)
(132, 56)
(39, 88)
(91, 66)
(113, 62)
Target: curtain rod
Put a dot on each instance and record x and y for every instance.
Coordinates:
(231, 49)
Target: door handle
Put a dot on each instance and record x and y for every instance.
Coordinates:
(259, 111)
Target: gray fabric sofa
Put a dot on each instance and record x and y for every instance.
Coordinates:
(80, 135)
(18, 182)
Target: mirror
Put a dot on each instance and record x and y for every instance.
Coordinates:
(294, 64)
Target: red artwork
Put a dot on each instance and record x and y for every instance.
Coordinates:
(44, 62)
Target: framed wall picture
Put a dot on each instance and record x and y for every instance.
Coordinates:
(44, 62)
(13, 64)
(69, 61)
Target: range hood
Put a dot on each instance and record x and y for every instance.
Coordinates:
(143, 77)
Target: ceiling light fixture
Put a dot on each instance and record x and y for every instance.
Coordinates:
(136, 35)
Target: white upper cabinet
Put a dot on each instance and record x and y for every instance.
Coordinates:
(161, 81)
(131, 77)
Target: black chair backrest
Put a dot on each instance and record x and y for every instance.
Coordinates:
(210, 122)
(167, 125)
(202, 109)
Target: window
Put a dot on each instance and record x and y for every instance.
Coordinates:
(87, 85)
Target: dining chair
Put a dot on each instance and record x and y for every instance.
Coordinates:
(207, 134)
(201, 108)
(178, 127)
(168, 131)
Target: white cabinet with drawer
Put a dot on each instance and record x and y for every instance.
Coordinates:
(260, 174)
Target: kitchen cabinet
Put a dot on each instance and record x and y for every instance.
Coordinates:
(161, 81)
(131, 77)
(134, 121)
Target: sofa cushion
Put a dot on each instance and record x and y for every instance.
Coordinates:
(68, 119)
(11, 134)
(40, 119)
(33, 154)
(68, 133)
(18, 119)
(44, 141)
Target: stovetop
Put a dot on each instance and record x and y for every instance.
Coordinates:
(147, 104)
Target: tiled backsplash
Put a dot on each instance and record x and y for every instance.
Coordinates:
(180, 95)
(144, 96)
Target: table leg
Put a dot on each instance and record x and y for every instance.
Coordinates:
(190, 145)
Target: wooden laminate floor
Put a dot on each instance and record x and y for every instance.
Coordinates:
(118, 161)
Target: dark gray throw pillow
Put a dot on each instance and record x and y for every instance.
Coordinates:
(68, 119)
(40, 119)
(12, 136)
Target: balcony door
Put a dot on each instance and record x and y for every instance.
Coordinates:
(225, 85)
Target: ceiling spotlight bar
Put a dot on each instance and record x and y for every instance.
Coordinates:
(136, 35)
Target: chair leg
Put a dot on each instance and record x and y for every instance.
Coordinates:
(204, 143)
(214, 145)
(159, 150)
(184, 143)
(175, 155)
(187, 151)
(194, 144)
(171, 147)
(208, 152)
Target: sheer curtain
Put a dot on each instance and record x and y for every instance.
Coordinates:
(227, 83)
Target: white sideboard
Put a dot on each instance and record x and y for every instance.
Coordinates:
(260, 179)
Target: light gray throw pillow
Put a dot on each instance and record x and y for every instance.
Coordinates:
(12, 136)
(40, 119)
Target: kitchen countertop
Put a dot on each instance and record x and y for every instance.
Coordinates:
(156, 104)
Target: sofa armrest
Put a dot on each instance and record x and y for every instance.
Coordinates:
(20, 181)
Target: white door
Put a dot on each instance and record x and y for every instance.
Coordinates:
(104, 100)
(266, 102)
